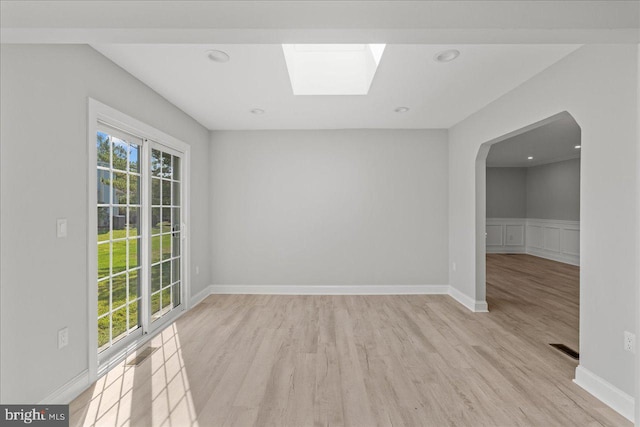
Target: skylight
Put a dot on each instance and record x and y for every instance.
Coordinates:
(332, 69)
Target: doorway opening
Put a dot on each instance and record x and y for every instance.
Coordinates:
(528, 211)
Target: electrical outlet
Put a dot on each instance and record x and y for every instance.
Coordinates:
(629, 342)
(63, 337)
(453, 266)
(197, 270)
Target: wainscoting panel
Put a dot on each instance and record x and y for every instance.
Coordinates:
(553, 239)
(506, 235)
(494, 235)
(514, 235)
(534, 236)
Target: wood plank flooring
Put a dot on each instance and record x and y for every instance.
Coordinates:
(244, 360)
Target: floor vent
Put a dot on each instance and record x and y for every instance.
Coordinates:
(142, 356)
(566, 350)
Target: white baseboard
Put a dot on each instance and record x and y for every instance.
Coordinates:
(467, 301)
(555, 256)
(506, 250)
(606, 392)
(69, 391)
(200, 296)
(331, 289)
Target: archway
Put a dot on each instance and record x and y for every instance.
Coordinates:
(480, 208)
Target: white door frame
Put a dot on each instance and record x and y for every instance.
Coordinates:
(98, 111)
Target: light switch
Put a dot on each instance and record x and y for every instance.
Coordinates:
(62, 227)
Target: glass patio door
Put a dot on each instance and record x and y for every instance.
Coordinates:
(166, 232)
(140, 237)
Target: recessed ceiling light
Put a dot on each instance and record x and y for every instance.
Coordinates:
(257, 111)
(401, 109)
(447, 55)
(218, 56)
(529, 158)
(577, 146)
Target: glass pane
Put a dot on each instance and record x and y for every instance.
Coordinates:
(119, 324)
(175, 196)
(166, 298)
(176, 244)
(103, 151)
(155, 303)
(166, 274)
(119, 188)
(155, 278)
(104, 187)
(155, 249)
(119, 221)
(155, 191)
(176, 168)
(176, 294)
(134, 253)
(166, 220)
(134, 222)
(103, 260)
(103, 330)
(119, 255)
(166, 166)
(134, 319)
(120, 149)
(134, 190)
(155, 221)
(119, 290)
(166, 246)
(166, 193)
(176, 219)
(155, 163)
(175, 270)
(134, 158)
(103, 224)
(103, 297)
(133, 285)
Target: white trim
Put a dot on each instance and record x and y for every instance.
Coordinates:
(467, 301)
(331, 289)
(563, 254)
(612, 396)
(69, 391)
(200, 296)
(553, 256)
(98, 111)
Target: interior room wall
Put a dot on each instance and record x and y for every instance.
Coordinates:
(506, 192)
(550, 191)
(343, 207)
(553, 191)
(597, 85)
(44, 167)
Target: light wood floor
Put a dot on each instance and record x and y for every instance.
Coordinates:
(247, 360)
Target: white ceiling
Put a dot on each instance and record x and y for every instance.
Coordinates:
(220, 95)
(551, 142)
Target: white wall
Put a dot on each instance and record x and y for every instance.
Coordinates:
(553, 191)
(597, 85)
(344, 207)
(506, 192)
(43, 177)
(550, 191)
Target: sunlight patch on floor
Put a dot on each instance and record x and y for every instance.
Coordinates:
(162, 380)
